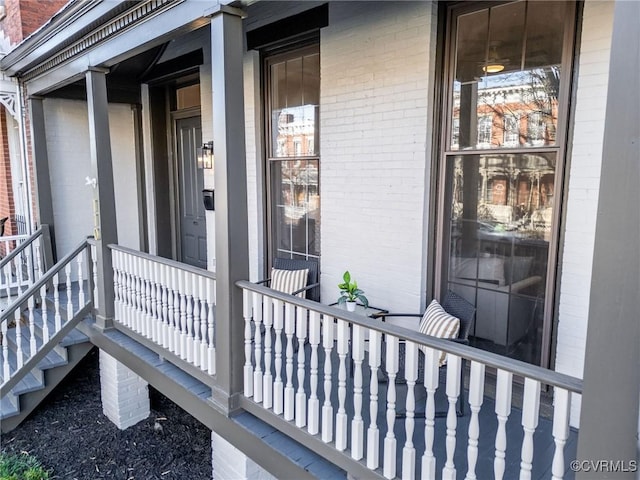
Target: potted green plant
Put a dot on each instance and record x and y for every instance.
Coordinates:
(350, 293)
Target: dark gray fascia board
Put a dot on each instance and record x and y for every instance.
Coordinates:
(75, 16)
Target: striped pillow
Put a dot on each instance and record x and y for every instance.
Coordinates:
(436, 322)
(288, 281)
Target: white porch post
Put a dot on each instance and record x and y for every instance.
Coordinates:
(104, 204)
(231, 237)
(609, 415)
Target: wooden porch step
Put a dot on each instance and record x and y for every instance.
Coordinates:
(9, 407)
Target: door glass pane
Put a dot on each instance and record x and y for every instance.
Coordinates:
(499, 231)
(295, 95)
(295, 208)
(507, 76)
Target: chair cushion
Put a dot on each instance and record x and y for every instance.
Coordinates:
(438, 323)
(288, 281)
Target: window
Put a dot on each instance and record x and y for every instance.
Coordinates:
(293, 156)
(506, 86)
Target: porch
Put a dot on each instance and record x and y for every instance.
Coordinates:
(322, 386)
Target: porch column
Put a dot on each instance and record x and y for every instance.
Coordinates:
(41, 166)
(104, 204)
(609, 416)
(231, 237)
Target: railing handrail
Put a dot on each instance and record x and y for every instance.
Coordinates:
(29, 240)
(517, 367)
(9, 238)
(46, 277)
(165, 261)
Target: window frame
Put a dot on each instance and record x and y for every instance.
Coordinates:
(444, 151)
(292, 49)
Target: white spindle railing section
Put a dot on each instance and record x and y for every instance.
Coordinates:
(22, 262)
(328, 385)
(33, 325)
(171, 304)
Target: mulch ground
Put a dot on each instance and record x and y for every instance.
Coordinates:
(70, 435)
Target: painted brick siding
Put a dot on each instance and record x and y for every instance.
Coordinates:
(229, 462)
(67, 133)
(375, 70)
(584, 181)
(125, 395)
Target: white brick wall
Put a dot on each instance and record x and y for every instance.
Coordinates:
(125, 395)
(584, 181)
(375, 78)
(67, 131)
(229, 462)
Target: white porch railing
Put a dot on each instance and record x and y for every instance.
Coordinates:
(24, 260)
(169, 303)
(292, 347)
(33, 326)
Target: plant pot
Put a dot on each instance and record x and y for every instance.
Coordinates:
(351, 306)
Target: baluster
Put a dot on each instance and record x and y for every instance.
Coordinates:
(94, 260)
(195, 282)
(327, 407)
(158, 317)
(167, 304)
(188, 284)
(373, 434)
(28, 259)
(211, 301)
(19, 353)
(7, 278)
(171, 308)
(503, 410)
(267, 378)
(183, 314)
(117, 306)
(45, 321)
(390, 447)
(411, 375)
(67, 272)
(301, 397)
(6, 369)
(341, 417)
(357, 424)
(79, 260)
(431, 378)
(203, 324)
(175, 275)
(56, 302)
(247, 307)
(32, 325)
(135, 317)
(289, 328)
(314, 402)
(530, 413)
(38, 267)
(143, 298)
(476, 395)
(453, 392)
(17, 263)
(257, 345)
(132, 320)
(278, 385)
(561, 412)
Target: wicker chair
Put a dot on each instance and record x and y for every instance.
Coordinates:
(313, 286)
(458, 307)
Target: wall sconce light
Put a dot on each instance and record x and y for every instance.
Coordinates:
(205, 156)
